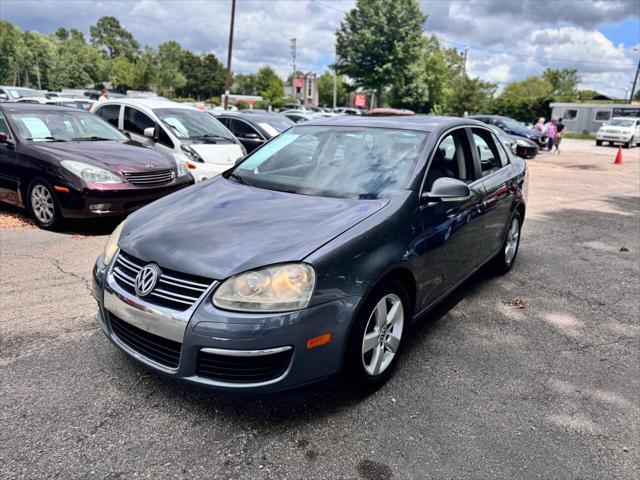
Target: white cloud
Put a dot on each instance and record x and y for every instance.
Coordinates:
(541, 33)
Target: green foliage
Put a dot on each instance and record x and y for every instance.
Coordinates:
(112, 39)
(169, 77)
(584, 135)
(214, 101)
(244, 84)
(378, 41)
(472, 95)
(325, 89)
(241, 105)
(587, 94)
(269, 86)
(564, 83)
(204, 75)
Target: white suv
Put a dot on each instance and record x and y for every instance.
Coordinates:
(195, 138)
(625, 130)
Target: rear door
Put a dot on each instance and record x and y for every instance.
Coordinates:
(451, 240)
(10, 168)
(499, 184)
(110, 113)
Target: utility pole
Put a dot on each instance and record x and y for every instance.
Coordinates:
(464, 62)
(635, 80)
(227, 83)
(293, 78)
(335, 83)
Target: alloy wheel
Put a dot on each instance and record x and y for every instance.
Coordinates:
(42, 204)
(511, 245)
(382, 334)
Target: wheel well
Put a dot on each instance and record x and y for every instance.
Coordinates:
(521, 209)
(404, 276)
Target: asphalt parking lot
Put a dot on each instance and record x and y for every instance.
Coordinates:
(532, 375)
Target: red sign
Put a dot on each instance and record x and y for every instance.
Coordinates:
(250, 101)
(299, 81)
(360, 101)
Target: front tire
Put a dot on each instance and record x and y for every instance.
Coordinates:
(629, 143)
(599, 143)
(377, 337)
(509, 250)
(43, 205)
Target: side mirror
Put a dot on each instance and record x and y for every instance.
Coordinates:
(4, 139)
(239, 159)
(150, 132)
(125, 133)
(446, 189)
(251, 136)
(4, 96)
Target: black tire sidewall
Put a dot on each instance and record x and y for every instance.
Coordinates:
(354, 371)
(501, 265)
(57, 215)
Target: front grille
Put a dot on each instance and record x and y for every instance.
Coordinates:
(149, 178)
(175, 290)
(160, 350)
(252, 369)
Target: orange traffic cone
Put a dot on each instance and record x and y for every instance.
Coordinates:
(618, 160)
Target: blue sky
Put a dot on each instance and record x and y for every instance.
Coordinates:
(508, 40)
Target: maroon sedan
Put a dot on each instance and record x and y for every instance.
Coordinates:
(61, 163)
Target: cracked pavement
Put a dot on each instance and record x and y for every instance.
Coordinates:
(484, 390)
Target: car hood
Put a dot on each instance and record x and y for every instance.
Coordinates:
(112, 154)
(220, 153)
(219, 228)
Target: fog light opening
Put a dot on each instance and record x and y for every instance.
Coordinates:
(100, 207)
(319, 340)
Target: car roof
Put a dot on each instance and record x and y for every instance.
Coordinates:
(425, 123)
(151, 103)
(35, 107)
(251, 117)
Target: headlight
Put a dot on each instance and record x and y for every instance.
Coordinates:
(191, 154)
(91, 173)
(111, 246)
(271, 289)
(182, 168)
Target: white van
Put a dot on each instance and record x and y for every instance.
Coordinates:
(205, 145)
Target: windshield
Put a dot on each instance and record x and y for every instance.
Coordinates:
(193, 124)
(273, 126)
(52, 126)
(510, 122)
(621, 122)
(22, 92)
(350, 162)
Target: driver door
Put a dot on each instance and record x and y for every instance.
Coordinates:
(452, 237)
(248, 136)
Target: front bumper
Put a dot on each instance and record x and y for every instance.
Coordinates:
(613, 137)
(116, 200)
(204, 329)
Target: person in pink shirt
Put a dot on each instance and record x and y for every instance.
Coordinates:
(540, 125)
(551, 133)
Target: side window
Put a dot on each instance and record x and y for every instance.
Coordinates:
(452, 159)
(487, 151)
(504, 158)
(164, 139)
(135, 121)
(223, 121)
(570, 114)
(110, 113)
(241, 129)
(4, 128)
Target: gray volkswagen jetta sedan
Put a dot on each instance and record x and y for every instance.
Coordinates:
(314, 254)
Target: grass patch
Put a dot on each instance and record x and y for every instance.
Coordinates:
(580, 135)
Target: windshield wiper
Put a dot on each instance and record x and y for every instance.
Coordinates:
(50, 139)
(241, 180)
(91, 139)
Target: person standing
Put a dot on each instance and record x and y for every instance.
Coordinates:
(559, 134)
(104, 95)
(551, 134)
(540, 125)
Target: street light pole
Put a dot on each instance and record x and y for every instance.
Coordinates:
(227, 83)
(635, 80)
(335, 83)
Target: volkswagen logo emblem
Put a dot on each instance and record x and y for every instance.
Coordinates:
(146, 279)
(149, 165)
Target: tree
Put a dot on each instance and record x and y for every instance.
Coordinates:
(325, 89)
(204, 75)
(109, 36)
(472, 96)
(244, 84)
(76, 64)
(269, 85)
(525, 100)
(145, 70)
(123, 74)
(168, 75)
(378, 41)
(564, 82)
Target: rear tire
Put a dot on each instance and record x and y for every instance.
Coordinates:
(505, 259)
(377, 337)
(43, 204)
